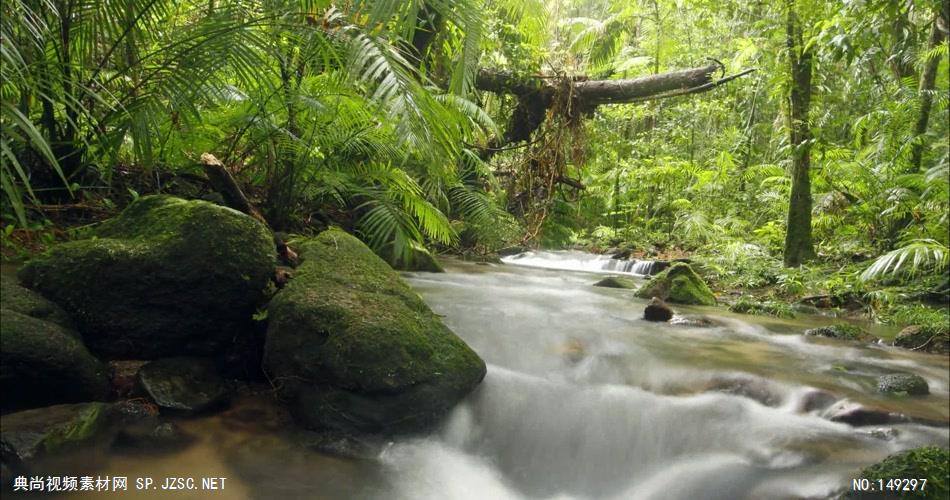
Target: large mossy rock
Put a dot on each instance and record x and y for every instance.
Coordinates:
(678, 284)
(42, 363)
(353, 348)
(908, 383)
(841, 331)
(165, 277)
(930, 463)
(32, 433)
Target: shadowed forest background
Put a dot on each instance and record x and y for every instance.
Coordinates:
(795, 149)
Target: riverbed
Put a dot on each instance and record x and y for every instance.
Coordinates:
(584, 399)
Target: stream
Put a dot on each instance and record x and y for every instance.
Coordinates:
(584, 399)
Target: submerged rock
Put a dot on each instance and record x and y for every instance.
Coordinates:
(841, 331)
(923, 338)
(14, 297)
(352, 347)
(678, 284)
(165, 277)
(657, 310)
(930, 463)
(183, 384)
(123, 374)
(616, 282)
(756, 389)
(909, 383)
(150, 437)
(42, 363)
(31, 433)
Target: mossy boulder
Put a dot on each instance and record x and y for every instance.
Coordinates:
(841, 331)
(930, 463)
(678, 284)
(14, 297)
(42, 363)
(353, 348)
(907, 383)
(39, 431)
(924, 338)
(617, 282)
(165, 277)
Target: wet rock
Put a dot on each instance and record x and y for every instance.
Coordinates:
(842, 331)
(657, 310)
(660, 266)
(135, 410)
(694, 321)
(884, 433)
(616, 282)
(678, 284)
(183, 385)
(351, 347)
(14, 297)
(123, 375)
(816, 400)
(857, 415)
(151, 437)
(343, 445)
(42, 363)
(165, 277)
(924, 338)
(930, 463)
(753, 388)
(31, 433)
(908, 383)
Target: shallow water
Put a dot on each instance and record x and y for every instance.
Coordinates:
(583, 399)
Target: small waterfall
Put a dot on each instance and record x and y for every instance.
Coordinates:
(581, 261)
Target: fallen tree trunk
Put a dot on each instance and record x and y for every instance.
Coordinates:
(222, 182)
(537, 94)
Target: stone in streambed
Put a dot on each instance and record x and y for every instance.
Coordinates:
(165, 277)
(14, 297)
(183, 385)
(858, 415)
(151, 436)
(616, 282)
(352, 347)
(678, 284)
(42, 363)
(842, 331)
(657, 310)
(908, 383)
(31, 433)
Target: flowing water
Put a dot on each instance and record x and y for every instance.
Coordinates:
(584, 399)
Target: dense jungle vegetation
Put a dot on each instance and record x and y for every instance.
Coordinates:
(794, 148)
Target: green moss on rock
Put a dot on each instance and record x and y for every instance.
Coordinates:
(165, 277)
(42, 363)
(47, 430)
(354, 348)
(678, 284)
(930, 463)
(841, 331)
(617, 282)
(906, 383)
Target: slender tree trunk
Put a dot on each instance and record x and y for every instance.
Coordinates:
(798, 239)
(928, 79)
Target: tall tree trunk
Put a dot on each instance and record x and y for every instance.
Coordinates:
(798, 239)
(928, 79)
